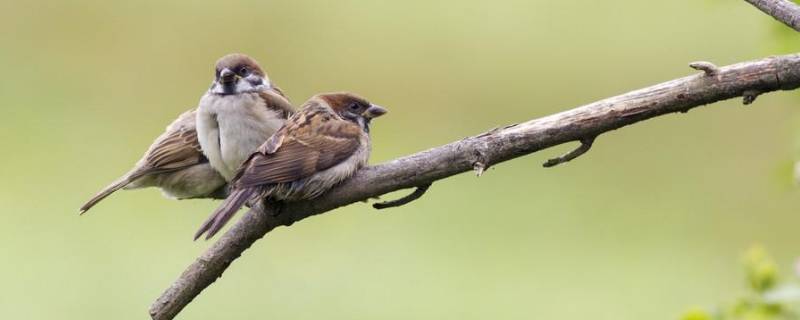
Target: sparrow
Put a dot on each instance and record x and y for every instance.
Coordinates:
(326, 142)
(174, 163)
(238, 113)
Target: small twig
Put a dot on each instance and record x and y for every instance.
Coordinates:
(709, 68)
(749, 96)
(586, 144)
(479, 168)
(418, 193)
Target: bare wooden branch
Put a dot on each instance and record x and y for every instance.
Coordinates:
(784, 11)
(418, 193)
(493, 147)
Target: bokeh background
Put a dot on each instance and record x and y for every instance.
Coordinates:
(652, 221)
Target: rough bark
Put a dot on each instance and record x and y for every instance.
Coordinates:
(784, 11)
(584, 124)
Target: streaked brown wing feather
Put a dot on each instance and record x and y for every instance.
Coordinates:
(302, 153)
(178, 147)
(275, 100)
(279, 91)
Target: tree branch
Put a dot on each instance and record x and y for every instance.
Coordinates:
(784, 11)
(495, 146)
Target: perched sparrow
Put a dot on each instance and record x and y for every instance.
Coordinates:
(318, 147)
(239, 112)
(176, 163)
(173, 163)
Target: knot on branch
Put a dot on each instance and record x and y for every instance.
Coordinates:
(749, 96)
(479, 168)
(480, 162)
(709, 68)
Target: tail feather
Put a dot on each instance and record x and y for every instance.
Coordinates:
(114, 186)
(225, 212)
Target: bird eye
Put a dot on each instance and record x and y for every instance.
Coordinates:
(353, 107)
(243, 71)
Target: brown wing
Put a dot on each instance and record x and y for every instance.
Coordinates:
(315, 143)
(176, 148)
(275, 100)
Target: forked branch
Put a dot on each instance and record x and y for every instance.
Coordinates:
(481, 151)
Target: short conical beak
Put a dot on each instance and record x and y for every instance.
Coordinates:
(375, 111)
(227, 76)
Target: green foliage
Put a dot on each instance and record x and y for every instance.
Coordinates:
(761, 271)
(696, 314)
(767, 299)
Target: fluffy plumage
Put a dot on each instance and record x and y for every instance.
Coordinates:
(318, 147)
(174, 163)
(240, 111)
(250, 108)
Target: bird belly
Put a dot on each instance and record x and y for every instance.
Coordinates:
(193, 182)
(240, 135)
(208, 136)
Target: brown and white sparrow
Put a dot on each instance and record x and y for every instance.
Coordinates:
(318, 147)
(173, 163)
(176, 163)
(239, 112)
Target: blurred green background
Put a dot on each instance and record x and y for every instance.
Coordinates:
(652, 221)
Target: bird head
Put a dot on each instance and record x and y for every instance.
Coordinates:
(353, 108)
(237, 73)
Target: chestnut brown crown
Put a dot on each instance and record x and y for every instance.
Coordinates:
(237, 73)
(239, 63)
(350, 106)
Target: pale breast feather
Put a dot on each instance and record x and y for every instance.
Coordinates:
(233, 128)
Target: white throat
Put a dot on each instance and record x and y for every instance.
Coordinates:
(249, 84)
